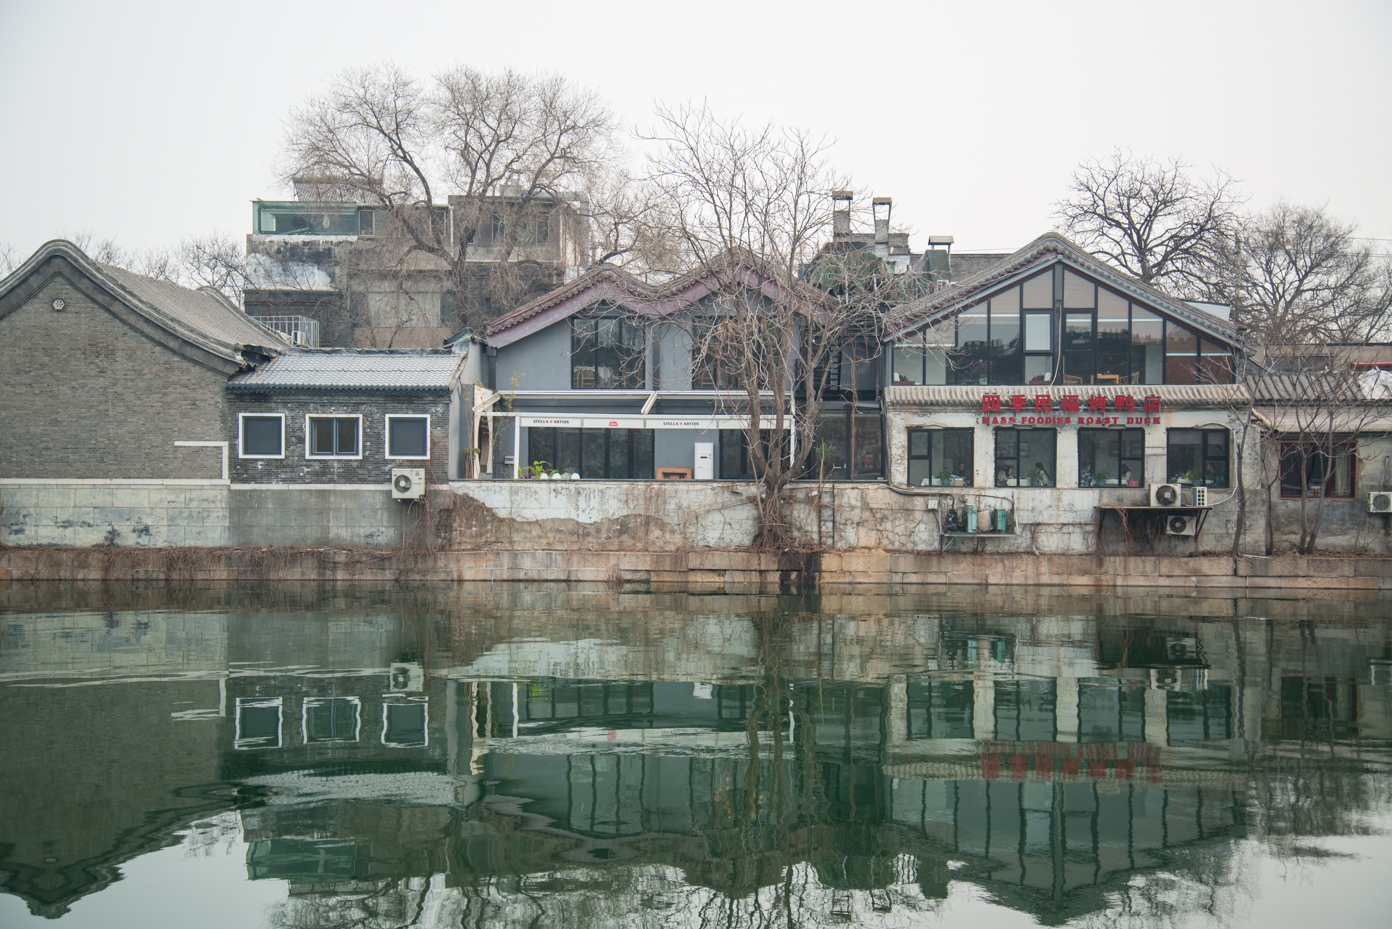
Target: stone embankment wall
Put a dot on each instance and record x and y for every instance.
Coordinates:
(592, 516)
(713, 571)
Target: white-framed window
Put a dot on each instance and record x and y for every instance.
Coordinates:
(404, 723)
(333, 436)
(258, 723)
(260, 435)
(408, 436)
(331, 719)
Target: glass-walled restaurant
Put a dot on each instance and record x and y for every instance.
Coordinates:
(1062, 377)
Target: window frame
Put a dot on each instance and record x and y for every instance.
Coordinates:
(241, 434)
(1051, 468)
(1204, 456)
(387, 436)
(1121, 457)
(605, 436)
(320, 701)
(623, 320)
(309, 440)
(425, 722)
(909, 456)
(239, 742)
(1345, 450)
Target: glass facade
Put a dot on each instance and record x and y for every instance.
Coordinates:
(1199, 456)
(1088, 334)
(1026, 457)
(607, 353)
(1111, 457)
(612, 454)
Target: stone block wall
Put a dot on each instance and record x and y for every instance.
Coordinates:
(286, 514)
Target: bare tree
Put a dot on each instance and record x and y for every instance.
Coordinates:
(9, 258)
(1301, 275)
(751, 204)
(1153, 219)
(504, 150)
(215, 261)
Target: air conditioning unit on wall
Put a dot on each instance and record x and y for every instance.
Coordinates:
(1164, 495)
(1181, 525)
(407, 483)
(1380, 501)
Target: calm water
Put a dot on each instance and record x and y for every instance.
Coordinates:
(536, 756)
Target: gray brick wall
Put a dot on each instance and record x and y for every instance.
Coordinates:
(83, 395)
(372, 468)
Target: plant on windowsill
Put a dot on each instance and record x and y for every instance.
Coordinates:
(1191, 476)
(1099, 478)
(1036, 477)
(537, 469)
(977, 369)
(945, 475)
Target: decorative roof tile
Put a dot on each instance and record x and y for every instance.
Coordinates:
(385, 370)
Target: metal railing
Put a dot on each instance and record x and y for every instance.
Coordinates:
(300, 329)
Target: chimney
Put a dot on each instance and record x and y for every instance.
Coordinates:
(841, 213)
(882, 207)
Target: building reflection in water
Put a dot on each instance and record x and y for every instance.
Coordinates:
(733, 760)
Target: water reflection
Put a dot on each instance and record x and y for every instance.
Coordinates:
(519, 757)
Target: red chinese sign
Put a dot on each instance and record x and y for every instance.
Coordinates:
(1065, 761)
(1076, 411)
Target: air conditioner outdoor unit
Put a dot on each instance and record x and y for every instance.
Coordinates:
(1380, 501)
(1180, 525)
(407, 483)
(1164, 495)
(407, 677)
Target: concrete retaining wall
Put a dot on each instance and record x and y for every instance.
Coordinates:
(729, 571)
(151, 514)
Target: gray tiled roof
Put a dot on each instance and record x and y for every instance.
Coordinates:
(391, 370)
(201, 310)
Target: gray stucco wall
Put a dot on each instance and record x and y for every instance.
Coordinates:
(541, 361)
(84, 395)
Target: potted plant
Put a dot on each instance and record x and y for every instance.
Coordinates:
(977, 369)
(1036, 477)
(1192, 476)
(945, 475)
(1099, 478)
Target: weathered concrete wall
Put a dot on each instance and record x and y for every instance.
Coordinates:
(345, 514)
(151, 514)
(704, 571)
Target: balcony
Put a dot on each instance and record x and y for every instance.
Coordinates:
(300, 330)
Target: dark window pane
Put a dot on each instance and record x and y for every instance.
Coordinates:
(620, 444)
(261, 435)
(333, 719)
(406, 437)
(592, 453)
(1181, 355)
(1147, 345)
(869, 451)
(970, 361)
(405, 724)
(541, 446)
(321, 436)
(1077, 332)
(568, 451)
(347, 437)
(643, 461)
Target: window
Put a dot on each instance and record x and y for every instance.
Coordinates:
(1111, 457)
(613, 454)
(1025, 710)
(408, 436)
(735, 463)
(607, 353)
(331, 719)
(333, 436)
(1323, 469)
(1111, 711)
(940, 457)
(403, 724)
(262, 436)
(847, 446)
(940, 709)
(1197, 455)
(258, 723)
(1025, 457)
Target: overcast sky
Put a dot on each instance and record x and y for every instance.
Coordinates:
(150, 121)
